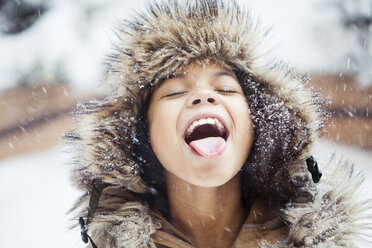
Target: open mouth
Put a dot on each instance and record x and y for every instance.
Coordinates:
(207, 136)
(203, 128)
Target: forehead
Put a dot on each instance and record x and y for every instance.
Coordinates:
(198, 72)
(204, 68)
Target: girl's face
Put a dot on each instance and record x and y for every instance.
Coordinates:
(200, 125)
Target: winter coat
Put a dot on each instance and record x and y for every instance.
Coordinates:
(290, 208)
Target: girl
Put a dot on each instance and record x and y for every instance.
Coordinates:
(205, 142)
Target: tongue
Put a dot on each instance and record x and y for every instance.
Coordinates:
(209, 147)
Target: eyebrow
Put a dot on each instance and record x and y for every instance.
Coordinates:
(225, 73)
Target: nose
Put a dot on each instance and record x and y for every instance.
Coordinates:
(201, 97)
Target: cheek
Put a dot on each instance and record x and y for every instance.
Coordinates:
(242, 114)
(162, 127)
(244, 126)
(163, 135)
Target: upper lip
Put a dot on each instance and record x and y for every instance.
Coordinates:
(205, 115)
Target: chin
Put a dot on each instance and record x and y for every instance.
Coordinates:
(211, 183)
(211, 179)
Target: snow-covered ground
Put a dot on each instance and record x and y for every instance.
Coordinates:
(36, 193)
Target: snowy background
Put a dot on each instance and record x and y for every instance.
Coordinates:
(68, 42)
(69, 38)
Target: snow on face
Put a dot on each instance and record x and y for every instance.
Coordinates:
(209, 102)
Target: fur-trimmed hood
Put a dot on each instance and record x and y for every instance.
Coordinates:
(113, 148)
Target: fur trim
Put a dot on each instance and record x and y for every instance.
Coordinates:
(103, 144)
(335, 217)
(121, 220)
(131, 226)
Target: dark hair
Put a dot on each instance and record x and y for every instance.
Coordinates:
(275, 145)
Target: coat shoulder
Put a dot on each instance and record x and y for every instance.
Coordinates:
(335, 217)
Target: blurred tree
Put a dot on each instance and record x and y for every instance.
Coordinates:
(356, 18)
(18, 15)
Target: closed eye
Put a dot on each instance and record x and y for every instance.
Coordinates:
(226, 91)
(174, 94)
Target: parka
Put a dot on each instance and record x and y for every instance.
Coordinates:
(295, 204)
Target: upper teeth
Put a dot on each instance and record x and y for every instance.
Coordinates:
(212, 121)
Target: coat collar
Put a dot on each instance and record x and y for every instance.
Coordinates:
(262, 224)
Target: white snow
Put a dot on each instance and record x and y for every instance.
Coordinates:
(36, 194)
(68, 43)
(310, 36)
